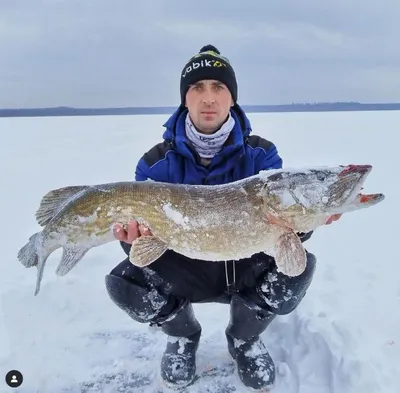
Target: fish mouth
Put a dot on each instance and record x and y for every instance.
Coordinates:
(356, 198)
(368, 199)
(356, 169)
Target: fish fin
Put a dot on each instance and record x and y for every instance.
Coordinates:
(70, 257)
(290, 255)
(28, 254)
(53, 202)
(146, 249)
(40, 269)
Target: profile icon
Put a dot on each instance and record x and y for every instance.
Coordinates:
(14, 378)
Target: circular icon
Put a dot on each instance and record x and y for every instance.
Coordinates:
(14, 379)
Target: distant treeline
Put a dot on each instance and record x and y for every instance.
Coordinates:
(306, 107)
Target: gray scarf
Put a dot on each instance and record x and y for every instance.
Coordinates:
(209, 145)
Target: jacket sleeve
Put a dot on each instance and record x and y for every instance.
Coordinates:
(142, 172)
(126, 247)
(271, 159)
(154, 165)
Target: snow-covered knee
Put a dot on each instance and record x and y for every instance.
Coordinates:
(282, 294)
(141, 304)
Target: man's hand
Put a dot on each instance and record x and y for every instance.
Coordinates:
(131, 233)
(335, 217)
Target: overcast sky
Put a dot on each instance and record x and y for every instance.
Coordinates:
(113, 53)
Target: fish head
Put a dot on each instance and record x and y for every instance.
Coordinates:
(300, 196)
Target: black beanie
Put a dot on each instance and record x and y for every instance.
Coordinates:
(208, 64)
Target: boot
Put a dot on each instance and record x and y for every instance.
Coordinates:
(178, 363)
(255, 366)
(176, 319)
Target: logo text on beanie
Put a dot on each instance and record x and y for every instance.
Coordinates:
(203, 63)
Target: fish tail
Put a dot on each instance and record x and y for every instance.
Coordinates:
(28, 254)
(40, 268)
(33, 254)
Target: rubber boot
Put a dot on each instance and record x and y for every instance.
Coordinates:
(175, 318)
(255, 366)
(178, 363)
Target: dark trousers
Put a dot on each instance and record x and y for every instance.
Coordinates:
(256, 278)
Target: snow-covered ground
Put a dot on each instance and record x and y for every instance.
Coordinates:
(343, 338)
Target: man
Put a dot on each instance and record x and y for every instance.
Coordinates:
(207, 141)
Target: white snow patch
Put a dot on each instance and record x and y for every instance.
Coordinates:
(89, 219)
(175, 215)
(182, 341)
(238, 343)
(255, 350)
(287, 198)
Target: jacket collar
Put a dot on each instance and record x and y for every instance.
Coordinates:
(175, 134)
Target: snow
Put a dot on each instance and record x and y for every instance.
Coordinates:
(175, 215)
(344, 337)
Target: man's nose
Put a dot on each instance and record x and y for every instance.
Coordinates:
(208, 98)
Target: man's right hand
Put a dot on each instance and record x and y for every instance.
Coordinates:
(131, 233)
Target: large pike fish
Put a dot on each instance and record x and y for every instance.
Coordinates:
(232, 221)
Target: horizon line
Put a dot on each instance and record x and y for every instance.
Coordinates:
(176, 106)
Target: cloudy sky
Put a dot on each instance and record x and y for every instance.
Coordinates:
(103, 53)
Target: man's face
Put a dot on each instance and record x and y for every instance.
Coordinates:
(208, 103)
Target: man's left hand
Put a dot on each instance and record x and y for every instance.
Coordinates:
(335, 217)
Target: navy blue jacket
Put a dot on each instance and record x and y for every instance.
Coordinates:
(176, 161)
